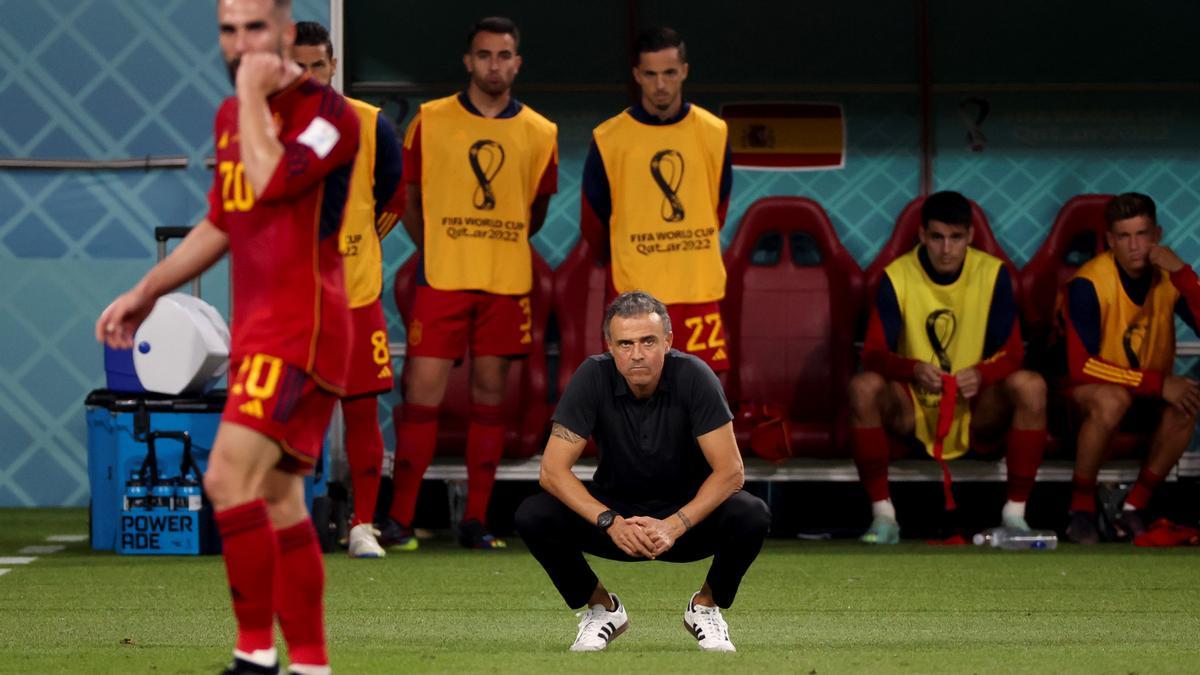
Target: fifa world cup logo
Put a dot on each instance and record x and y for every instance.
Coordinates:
(940, 327)
(486, 158)
(1132, 341)
(666, 167)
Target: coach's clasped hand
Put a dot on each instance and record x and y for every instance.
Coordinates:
(631, 538)
(662, 533)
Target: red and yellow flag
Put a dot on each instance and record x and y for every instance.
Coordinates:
(783, 136)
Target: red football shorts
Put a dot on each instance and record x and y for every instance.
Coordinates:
(444, 323)
(370, 359)
(700, 331)
(282, 402)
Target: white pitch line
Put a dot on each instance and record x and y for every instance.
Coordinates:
(4, 571)
(17, 560)
(67, 538)
(42, 550)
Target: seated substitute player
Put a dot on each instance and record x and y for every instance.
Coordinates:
(285, 148)
(1119, 317)
(480, 168)
(668, 486)
(656, 185)
(374, 207)
(945, 324)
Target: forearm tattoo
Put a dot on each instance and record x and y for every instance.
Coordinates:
(559, 431)
(687, 522)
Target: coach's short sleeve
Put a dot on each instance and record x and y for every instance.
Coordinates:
(707, 404)
(580, 401)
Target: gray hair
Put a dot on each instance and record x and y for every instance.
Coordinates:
(635, 303)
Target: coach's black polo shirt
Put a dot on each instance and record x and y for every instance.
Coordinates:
(649, 458)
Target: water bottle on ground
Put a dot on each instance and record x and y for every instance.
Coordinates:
(1017, 540)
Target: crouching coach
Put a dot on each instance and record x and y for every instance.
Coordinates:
(668, 484)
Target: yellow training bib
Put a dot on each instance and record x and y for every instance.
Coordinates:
(359, 243)
(479, 178)
(946, 326)
(665, 185)
(1132, 336)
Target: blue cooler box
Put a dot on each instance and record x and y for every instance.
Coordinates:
(146, 456)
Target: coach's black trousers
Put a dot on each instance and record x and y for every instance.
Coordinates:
(558, 537)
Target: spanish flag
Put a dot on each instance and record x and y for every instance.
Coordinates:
(783, 136)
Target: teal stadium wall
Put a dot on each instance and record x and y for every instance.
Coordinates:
(94, 79)
(108, 79)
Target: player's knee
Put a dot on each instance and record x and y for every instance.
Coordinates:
(864, 391)
(1027, 390)
(531, 518)
(750, 515)
(1108, 405)
(488, 388)
(220, 489)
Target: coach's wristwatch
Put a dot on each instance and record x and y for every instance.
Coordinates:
(605, 520)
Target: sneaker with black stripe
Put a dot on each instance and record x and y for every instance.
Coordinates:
(708, 627)
(598, 626)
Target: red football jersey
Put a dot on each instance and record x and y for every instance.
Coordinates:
(289, 297)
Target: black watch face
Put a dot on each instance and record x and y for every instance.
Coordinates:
(605, 520)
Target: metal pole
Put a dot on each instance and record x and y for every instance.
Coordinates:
(144, 163)
(337, 24)
(925, 94)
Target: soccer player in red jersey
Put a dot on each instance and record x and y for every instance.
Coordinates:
(1118, 312)
(480, 168)
(285, 148)
(375, 205)
(942, 368)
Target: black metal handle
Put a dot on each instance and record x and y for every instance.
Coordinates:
(171, 232)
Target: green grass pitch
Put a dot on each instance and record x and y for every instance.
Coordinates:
(827, 607)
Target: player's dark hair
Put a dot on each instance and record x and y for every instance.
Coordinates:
(1130, 205)
(313, 34)
(948, 207)
(494, 24)
(656, 40)
(635, 303)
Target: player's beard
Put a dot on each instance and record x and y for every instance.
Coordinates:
(491, 88)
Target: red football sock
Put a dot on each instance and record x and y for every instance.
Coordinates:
(1025, 448)
(248, 546)
(1139, 496)
(299, 594)
(364, 452)
(416, 440)
(485, 446)
(871, 449)
(1083, 494)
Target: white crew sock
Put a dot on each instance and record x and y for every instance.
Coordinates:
(1013, 510)
(883, 509)
(305, 669)
(259, 657)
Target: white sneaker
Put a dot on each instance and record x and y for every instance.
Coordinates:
(707, 626)
(363, 543)
(598, 626)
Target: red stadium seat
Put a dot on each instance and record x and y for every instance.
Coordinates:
(1076, 237)
(790, 305)
(904, 238)
(581, 291)
(526, 404)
